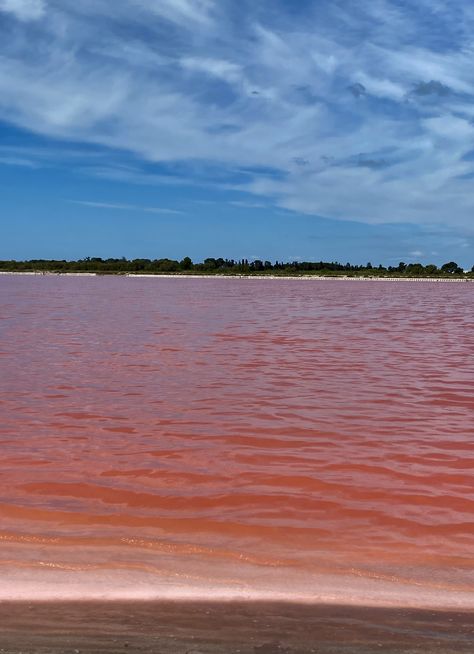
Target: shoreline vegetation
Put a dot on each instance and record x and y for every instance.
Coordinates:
(243, 268)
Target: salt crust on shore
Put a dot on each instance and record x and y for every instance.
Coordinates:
(316, 278)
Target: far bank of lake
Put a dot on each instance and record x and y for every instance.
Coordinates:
(345, 278)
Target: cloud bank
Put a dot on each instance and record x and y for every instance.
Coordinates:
(328, 108)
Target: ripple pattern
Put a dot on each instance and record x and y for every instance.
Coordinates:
(321, 426)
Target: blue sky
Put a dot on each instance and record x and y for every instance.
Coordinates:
(275, 129)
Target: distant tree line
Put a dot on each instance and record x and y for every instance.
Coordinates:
(222, 266)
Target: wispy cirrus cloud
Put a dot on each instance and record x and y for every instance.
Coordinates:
(118, 206)
(332, 108)
(17, 161)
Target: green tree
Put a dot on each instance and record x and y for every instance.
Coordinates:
(210, 263)
(451, 267)
(415, 269)
(186, 263)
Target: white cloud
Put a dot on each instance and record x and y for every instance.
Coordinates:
(225, 70)
(179, 11)
(454, 69)
(381, 87)
(117, 206)
(451, 128)
(24, 10)
(17, 161)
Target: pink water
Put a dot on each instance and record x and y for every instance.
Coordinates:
(237, 438)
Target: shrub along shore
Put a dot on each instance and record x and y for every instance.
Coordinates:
(243, 267)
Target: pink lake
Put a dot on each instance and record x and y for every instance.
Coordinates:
(237, 438)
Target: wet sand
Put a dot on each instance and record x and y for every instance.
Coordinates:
(234, 627)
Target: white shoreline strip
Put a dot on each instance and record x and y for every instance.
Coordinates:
(49, 274)
(70, 589)
(317, 278)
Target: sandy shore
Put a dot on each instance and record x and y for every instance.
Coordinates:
(237, 627)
